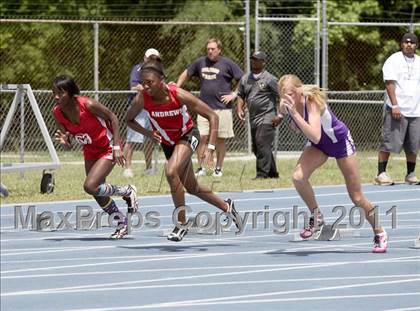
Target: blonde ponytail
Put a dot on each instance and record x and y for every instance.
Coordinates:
(315, 94)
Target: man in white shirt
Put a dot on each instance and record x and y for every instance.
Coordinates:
(401, 124)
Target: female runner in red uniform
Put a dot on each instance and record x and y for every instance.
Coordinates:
(167, 108)
(96, 128)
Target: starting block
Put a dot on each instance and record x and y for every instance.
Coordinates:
(416, 243)
(326, 233)
(44, 222)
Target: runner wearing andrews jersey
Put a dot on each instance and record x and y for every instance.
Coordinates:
(168, 108)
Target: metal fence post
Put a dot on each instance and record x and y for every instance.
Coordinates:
(324, 45)
(412, 18)
(248, 64)
(317, 43)
(96, 59)
(257, 30)
(22, 127)
(247, 34)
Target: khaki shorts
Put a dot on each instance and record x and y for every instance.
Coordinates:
(134, 136)
(399, 134)
(225, 124)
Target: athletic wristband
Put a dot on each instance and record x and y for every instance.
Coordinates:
(394, 106)
(117, 147)
(280, 115)
(234, 94)
(211, 147)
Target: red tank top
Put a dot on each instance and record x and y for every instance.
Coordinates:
(171, 119)
(92, 132)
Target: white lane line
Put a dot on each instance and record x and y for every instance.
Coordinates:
(260, 301)
(158, 258)
(117, 285)
(404, 309)
(193, 242)
(168, 196)
(254, 199)
(254, 301)
(247, 282)
(176, 270)
(75, 235)
(288, 292)
(221, 239)
(338, 246)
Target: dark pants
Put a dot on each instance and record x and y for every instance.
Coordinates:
(262, 141)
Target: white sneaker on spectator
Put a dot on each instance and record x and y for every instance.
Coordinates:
(383, 179)
(150, 171)
(217, 172)
(128, 172)
(411, 179)
(200, 172)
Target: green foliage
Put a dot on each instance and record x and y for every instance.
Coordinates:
(35, 53)
(231, 36)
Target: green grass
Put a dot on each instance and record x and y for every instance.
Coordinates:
(237, 176)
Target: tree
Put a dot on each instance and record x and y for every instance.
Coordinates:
(356, 53)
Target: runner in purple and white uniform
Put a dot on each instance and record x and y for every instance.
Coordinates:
(328, 137)
(336, 140)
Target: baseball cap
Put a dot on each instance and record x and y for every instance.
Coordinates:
(151, 52)
(409, 37)
(259, 55)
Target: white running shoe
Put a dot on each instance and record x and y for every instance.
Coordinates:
(120, 232)
(380, 243)
(383, 179)
(128, 173)
(236, 218)
(177, 234)
(150, 172)
(308, 231)
(217, 172)
(131, 199)
(200, 172)
(411, 179)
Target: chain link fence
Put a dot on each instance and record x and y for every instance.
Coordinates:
(100, 55)
(355, 63)
(361, 111)
(24, 123)
(290, 46)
